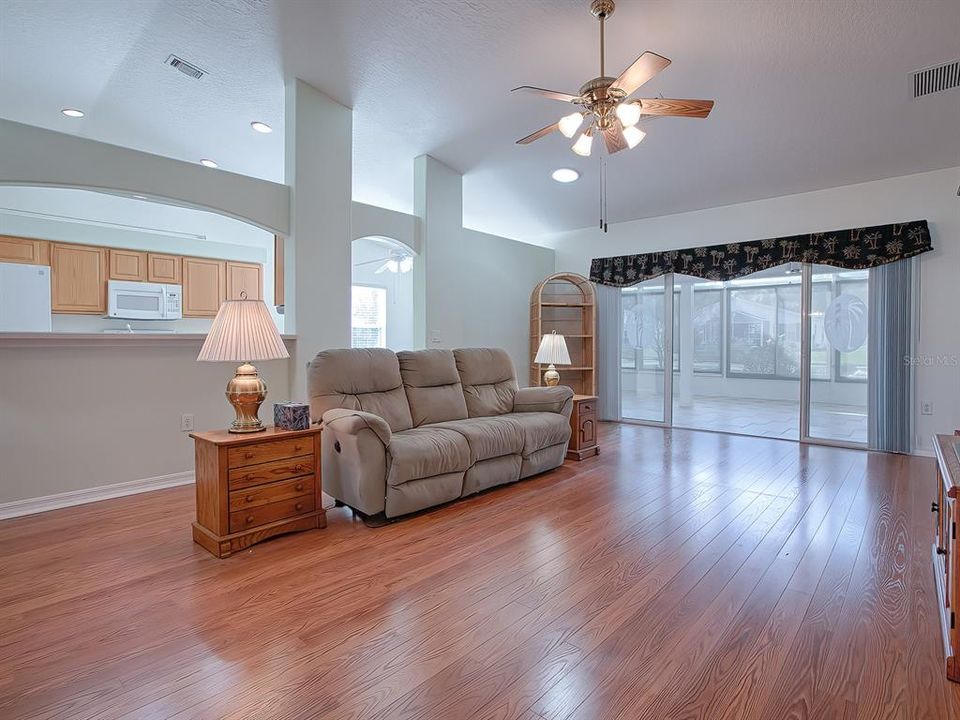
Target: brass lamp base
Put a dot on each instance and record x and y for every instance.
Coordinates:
(551, 377)
(246, 391)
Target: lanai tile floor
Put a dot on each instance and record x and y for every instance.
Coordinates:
(764, 418)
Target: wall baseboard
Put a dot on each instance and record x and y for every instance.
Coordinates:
(31, 506)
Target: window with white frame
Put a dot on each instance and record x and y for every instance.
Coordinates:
(368, 325)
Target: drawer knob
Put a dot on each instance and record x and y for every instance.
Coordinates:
(248, 455)
(299, 487)
(934, 507)
(298, 468)
(249, 519)
(248, 498)
(297, 448)
(298, 506)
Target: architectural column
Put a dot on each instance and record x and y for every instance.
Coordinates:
(441, 271)
(318, 158)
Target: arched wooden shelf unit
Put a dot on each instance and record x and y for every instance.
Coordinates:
(565, 303)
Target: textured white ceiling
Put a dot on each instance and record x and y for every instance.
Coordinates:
(809, 94)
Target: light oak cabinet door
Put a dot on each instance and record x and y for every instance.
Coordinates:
(24, 250)
(244, 278)
(204, 286)
(164, 268)
(79, 279)
(128, 265)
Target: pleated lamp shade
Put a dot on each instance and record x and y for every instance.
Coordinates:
(553, 350)
(243, 331)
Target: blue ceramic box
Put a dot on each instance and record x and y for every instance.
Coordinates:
(291, 416)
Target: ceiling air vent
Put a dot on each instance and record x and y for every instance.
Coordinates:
(936, 79)
(185, 67)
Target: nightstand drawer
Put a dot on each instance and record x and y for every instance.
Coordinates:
(587, 407)
(246, 519)
(274, 492)
(269, 472)
(267, 451)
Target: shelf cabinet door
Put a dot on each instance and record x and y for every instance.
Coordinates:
(79, 279)
(128, 265)
(24, 250)
(164, 268)
(204, 286)
(244, 278)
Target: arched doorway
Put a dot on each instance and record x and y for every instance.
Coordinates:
(382, 293)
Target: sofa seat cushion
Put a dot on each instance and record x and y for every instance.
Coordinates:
(488, 437)
(540, 429)
(424, 452)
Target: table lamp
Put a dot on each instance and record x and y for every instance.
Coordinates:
(243, 331)
(553, 351)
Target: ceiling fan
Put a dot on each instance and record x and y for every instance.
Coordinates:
(397, 261)
(606, 109)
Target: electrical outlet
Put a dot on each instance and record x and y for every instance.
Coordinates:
(926, 408)
(186, 422)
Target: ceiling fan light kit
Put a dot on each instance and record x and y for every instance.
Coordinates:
(605, 107)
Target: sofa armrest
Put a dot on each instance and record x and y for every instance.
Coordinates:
(556, 399)
(352, 422)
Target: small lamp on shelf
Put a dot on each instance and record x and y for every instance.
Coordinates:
(552, 351)
(244, 331)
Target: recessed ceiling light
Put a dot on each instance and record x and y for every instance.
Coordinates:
(261, 127)
(208, 163)
(72, 112)
(139, 197)
(565, 175)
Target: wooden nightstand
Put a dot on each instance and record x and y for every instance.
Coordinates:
(583, 426)
(253, 486)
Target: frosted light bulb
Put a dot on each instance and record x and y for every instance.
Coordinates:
(633, 136)
(629, 114)
(570, 123)
(583, 144)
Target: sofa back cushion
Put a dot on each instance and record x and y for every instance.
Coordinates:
(365, 379)
(432, 384)
(488, 379)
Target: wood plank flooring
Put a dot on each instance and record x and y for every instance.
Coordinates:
(678, 575)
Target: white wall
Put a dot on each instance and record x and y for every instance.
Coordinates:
(931, 196)
(477, 286)
(95, 218)
(367, 256)
(75, 417)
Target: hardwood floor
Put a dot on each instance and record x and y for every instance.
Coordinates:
(677, 575)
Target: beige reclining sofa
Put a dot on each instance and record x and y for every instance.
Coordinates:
(410, 430)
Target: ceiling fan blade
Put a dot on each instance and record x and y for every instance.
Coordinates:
(613, 139)
(643, 68)
(538, 134)
(674, 108)
(370, 262)
(552, 94)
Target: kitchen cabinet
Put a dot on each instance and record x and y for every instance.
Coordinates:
(204, 286)
(244, 278)
(24, 250)
(78, 279)
(128, 265)
(164, 268)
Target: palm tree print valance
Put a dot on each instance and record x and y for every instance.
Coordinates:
(853, 249)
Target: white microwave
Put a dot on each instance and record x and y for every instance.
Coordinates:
(143, 301)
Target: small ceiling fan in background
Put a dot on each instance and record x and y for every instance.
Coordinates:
(605, 105)
(396, 261)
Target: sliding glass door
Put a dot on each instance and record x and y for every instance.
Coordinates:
(645, 346)
(780, 353)
(838, 368)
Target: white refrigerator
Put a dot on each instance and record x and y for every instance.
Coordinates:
(24, 298)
